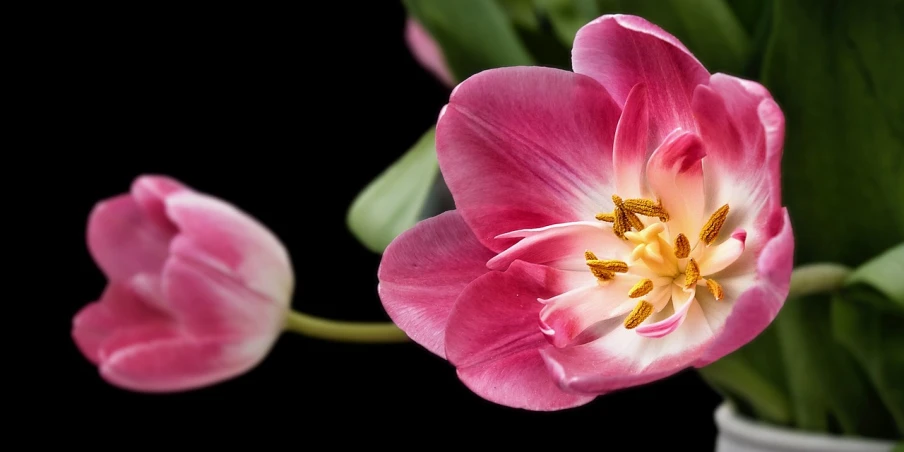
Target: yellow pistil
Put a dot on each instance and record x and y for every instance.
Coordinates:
(643, 287)
(691, 274)
(646, 208)
(640, 313)
(714, 225)
(715, 288)
(682, 246)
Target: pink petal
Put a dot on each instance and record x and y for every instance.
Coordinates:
(743, 129)
(622, 358)
(675, 175)
(621, 51)
(427, 52)
(179, 363)
(671, 323)
(423, 272)
(221, 235)
(724, 254)
(567, 315)
(493, 339)
(527, 147)
(149, 192)
(755, 309)
(633, 146)
(562, 246)
(208, 302)
(124, 241)
(119, 307)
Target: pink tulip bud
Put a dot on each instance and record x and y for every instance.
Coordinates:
(197, 293)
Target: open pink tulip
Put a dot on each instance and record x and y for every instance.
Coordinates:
(614, 225)
(427, 52)
(197, 292)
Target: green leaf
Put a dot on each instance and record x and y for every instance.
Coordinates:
(829, 391)
(876, 340)
(899, 447)
(394, 201)
(834, 66)
(885, 273)
(568, 16)
(474, 35)
(521, 12)
(709, 28)
(743, 377)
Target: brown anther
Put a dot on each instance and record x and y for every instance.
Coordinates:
(682, 246)
(641, 312)
(715, 288)
(589, 256)
(621, 224)
(607, 217)
(601, 273)
(691, 274)
(646, 208)
(634, 221)
(643, 287)
(608, 265)
(714, 225)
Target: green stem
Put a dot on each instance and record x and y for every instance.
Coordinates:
(366, 332)
(817, 278)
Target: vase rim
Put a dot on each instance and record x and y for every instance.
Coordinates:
(730, 422)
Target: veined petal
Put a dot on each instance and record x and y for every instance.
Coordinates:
(675, 175)
(755, 308)
(719, 257)
(493, 339)
(621, 51)
(124, 241)
(633, 146)
(423, 272)
(526, 147)
(565, 316)
(562, 245)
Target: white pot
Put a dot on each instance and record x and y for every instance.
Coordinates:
(739, 434)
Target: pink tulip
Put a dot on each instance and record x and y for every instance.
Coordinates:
(427, 52)
(614, 225)
(197, 292)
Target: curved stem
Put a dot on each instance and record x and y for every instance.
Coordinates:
(817, 278)
(366, 332)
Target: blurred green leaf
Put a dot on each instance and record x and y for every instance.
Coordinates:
(829, 391)
(568, 16)
(834, 66)
(474, 34)
(876, 340)
(885, 273)
(709, 28)
(753, 378)
(394, 201)
(899, 447)
(522, 13)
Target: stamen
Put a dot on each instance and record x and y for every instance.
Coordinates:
(607, 217)
(714, 225)
(682, 246)
(715, 288)
(643, 287)
(608, 265)
(640, 313)
(691, 274)
(621, 224)
(601, 273)
(646, 208)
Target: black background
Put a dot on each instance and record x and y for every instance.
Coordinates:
(288, 115)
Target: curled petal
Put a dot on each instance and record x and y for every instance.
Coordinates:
(493, 340)
(564, 317)
(526, 147)
(724, 254)
(562, 245)
(423, 272)
(682, 300)
(621, 51)
(675, 175)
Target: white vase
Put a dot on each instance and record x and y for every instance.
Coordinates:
(739, 434)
